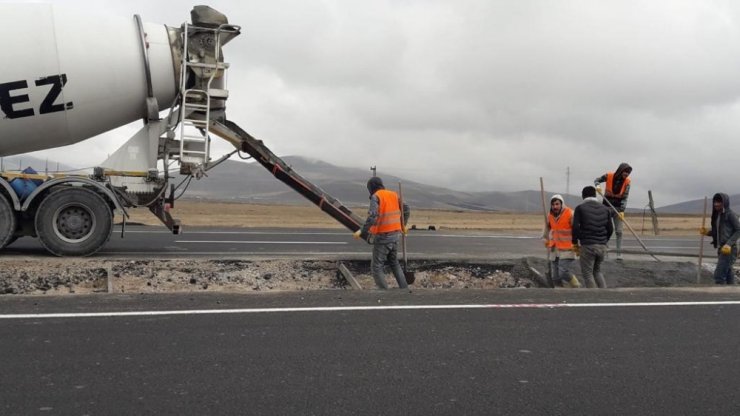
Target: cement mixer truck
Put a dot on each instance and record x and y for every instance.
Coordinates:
(67, 76)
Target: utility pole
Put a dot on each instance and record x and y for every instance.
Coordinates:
(374, 169)
(567, 180)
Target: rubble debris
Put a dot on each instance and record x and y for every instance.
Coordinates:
(89, 275)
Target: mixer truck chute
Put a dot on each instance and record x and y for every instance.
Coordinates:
(107, 72)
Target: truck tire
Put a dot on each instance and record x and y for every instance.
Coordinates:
(7, 222)
(73, 221)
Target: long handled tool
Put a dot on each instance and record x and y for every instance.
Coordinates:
(701, 242)
(544, 209)
(631, 230)
(410, 276)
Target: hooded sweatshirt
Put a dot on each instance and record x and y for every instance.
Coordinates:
(552, 216)
(619, 203)
(725, 225)
(563, 208)
(374, 185)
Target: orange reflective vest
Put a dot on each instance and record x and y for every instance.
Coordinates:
(610, 186)
(389, 213)
(561, 229)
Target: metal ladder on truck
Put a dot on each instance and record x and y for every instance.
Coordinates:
(195, 105)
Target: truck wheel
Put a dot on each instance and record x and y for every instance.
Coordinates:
(7, 222)
(73, 221)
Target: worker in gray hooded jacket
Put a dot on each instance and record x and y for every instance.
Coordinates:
(724, 232)
(616, 191)
(383, 229)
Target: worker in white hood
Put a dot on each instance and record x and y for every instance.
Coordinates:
(558, 236)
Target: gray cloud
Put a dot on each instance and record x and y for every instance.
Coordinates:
(488, 95)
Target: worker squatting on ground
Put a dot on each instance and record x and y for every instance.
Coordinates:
(592, 227)
(383, 229)
(724, 232)
(616, 191)
(557, 236)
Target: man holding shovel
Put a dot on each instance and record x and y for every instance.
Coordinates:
(383, 229)
(616, 192)
(558, 237)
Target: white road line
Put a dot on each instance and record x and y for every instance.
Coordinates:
(347, 233)
(260, 242)
(362, 308)
(660, 248)
(241, 232)
(411, 235)
(238, 253)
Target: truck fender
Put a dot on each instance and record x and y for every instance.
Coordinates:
(100, 187)
(13, 196)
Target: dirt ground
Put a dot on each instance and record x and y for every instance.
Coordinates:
(51, 275)
(198, 213)
(81, 276)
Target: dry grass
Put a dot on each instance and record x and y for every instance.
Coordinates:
(199, 213)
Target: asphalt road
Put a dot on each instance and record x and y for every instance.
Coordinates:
(534, 352)
(448, 353)
(143, 241)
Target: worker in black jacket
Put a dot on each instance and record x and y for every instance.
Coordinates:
(725, 233)
(592, 227)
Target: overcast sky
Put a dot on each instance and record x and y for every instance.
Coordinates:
(480, 94)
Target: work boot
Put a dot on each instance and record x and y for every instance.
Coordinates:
(573, 282)
(590, 283)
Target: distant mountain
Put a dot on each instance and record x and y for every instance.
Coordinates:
(696, 206)
(250, 182)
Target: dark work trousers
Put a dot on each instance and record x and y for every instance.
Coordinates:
(387, 253)
(724, 274)
(592, 256)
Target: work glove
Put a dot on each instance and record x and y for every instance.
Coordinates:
(703, 231)
(546, 242)
(356, 234)
(725, 250)
(577, 249)
(621, 216)
(599, 190)
(404, 230)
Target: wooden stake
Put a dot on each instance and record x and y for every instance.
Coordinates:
(410, 276)
(701, 242)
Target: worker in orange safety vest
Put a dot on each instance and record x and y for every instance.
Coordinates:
(616, 191)
(558, 237)
(383, 230)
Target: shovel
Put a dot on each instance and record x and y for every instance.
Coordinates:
(544, 209)
(410, 276)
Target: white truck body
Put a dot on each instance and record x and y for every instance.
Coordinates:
(68, 75)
